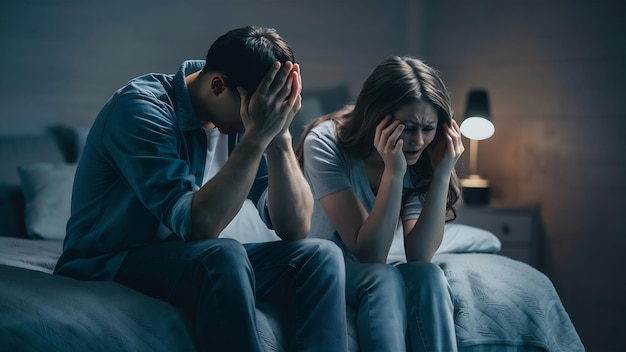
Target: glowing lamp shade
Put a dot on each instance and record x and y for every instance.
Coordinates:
(477, 122)
(476, 126)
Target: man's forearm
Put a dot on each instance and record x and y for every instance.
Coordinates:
(219, 200)
(290, 202)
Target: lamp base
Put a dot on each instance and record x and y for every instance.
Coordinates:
(475, 190)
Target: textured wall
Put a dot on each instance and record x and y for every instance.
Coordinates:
(61, 60)
(555, 71)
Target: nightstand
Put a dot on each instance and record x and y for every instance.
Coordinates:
(517, 227)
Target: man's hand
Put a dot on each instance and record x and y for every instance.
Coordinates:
(270, 110)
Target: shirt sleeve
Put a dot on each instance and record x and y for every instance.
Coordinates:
(258, 192)
(412, 208)
(325, 167)
(141, 139)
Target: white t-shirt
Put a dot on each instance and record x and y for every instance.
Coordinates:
(216, 153)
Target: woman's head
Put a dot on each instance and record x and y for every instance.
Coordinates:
(410, 91)
(415, 94)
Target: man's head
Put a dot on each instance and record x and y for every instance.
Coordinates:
(244, 55)
(239, 58)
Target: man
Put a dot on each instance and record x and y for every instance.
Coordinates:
(168, 163)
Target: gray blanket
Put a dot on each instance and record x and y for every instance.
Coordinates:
(500, 305)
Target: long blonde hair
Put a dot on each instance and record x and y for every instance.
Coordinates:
(393, 83)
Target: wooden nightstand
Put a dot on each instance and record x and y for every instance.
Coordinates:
(517, 227)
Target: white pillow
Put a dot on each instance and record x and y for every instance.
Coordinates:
(47, 190)
(247, 226)
(458, 238)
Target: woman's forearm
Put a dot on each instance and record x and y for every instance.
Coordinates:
(425, 237)
(376, 234)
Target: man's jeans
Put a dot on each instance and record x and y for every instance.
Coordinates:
(215, 282)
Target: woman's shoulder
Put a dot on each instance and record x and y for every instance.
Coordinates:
(324, 132)
(323, 137)
(325, 128)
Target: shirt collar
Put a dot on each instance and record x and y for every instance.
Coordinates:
(187, 118)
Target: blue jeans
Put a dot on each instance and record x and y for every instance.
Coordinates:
(215, 282)
(377, 293)
(430, 308)
(411, 299)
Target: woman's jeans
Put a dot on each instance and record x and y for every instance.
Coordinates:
(429, 308)
(391, 301)
(215, 283)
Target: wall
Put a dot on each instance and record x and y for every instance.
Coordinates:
(555, 71)
(61, 60)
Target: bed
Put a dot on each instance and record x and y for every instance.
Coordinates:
(500, 304)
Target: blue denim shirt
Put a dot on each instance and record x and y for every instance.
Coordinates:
(142, 162)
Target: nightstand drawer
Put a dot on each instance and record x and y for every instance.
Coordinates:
(518, 228)
(507, 226)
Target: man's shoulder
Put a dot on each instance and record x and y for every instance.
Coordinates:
(148, 97)
(151, 85)
(147, 92)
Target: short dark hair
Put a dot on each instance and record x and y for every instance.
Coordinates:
(244, 55)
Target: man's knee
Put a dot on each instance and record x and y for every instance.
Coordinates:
(324, 254)
(325, 249)
(224, 257)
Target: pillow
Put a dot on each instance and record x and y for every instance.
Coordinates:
(47, 190)
(458, 238)
(247, 226)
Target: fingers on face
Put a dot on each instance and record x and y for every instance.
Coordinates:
(281, 79)
(388, 133)
(396, 132)
(269, 77)
(453, 136)
(379, 129)
(398, 147)
(285, 90)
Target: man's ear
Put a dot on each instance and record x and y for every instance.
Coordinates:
(218, 84)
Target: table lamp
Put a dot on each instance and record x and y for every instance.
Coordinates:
(476, 126)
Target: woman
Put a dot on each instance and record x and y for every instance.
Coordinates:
(382, 173)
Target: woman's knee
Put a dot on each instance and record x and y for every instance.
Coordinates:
(381, 275)
(374, 282)
(424, 274)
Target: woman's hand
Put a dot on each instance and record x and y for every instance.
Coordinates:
(389, 145)
(447, 150)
